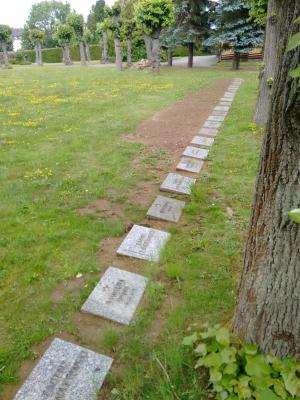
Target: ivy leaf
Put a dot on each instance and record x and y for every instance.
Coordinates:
(291, 382)
(264, 393)
(294, 42)
(250, 349)
(213, 360)
(280, 390)
(222, 336)
(215, 375)
(190, 340)
(230, 369)
(201, 349)
(257, 366)
(295, 73)
(295, 214)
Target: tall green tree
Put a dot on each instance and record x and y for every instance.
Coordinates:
(5, 39)
(44, 16)
(234, 29)
(101, 32)
(96, 15)
(153, 16)
(64, 34)
(128, 26)
(114, 24)
(169, 41)
(37, 37)
(192, 21)
(88, 38)
(77, 23)
(268, 307)
(258, 11)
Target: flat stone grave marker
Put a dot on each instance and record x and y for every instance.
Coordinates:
(222, 108)
(66, 371)
(190, 165)
(229, 94)
(166, 209)
(202, 141)
(226, 99)
(143, 243)
(220, 112)
(195, 152)
(179, 184)
(224, 103)
(219, 118)
(212, 124)
(116, 296)
(210, 132)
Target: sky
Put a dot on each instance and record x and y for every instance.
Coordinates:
(15, 12)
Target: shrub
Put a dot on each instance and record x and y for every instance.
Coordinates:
(237, 370)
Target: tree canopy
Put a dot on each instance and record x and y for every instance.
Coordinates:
(154, 15)
(96, 15)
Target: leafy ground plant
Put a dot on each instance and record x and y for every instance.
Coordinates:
(238, 371)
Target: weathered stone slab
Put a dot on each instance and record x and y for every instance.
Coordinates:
(210, 132)
(116, 296)
(224, 103)
(219, 118)
(195, 152)
(66, 371)
(226, 99)
(222, 108)
(212, 124)
(219, 112)
(190, 165)
(228, 94)
(143, 243)
(175, 183)
(202, 141)
(166, 209)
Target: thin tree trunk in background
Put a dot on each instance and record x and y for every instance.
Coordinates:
(67, 56)
(268, 72)
(82, 53)
(268, 306)
(88, 53)
(37, 54)
(148, 44)
(5, 55)
(129, 52)
(155, 52)
(236, 60)
(40, 54)
(105, 59)
(191, 54)
(170, 58)
(118, 53)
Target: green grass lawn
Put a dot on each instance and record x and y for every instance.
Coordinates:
(61, 148)
(252, 64)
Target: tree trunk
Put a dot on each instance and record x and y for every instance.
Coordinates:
(88, 53)
(269, 64)
(170, 58)
(82, 53)
(129, 52)
(155, 52)
(191, 54)
(105, 59)
(236, 60)
(5, 55)
(148, 44)
(118, 53)
(40, 54)
(67, 56)
(268, 308)
(37, 54)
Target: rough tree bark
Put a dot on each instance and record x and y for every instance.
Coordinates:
(118, 53)
(269, 63)
(105, 59)
(170, 58)
(148, 44)
(82, 53)
(5, 55)
(191, 54)
(268, 307)
(155, 52)
(67, 55)
(129, 52)
(87, 52)
(38, 53)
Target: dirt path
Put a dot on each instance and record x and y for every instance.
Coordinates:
(169, 131)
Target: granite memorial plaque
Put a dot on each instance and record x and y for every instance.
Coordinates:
(202, 141)
(190, 165)
(144, 243)
(116, 296)
(219, 118)
(212, 124)
(66, 372)
(175, 183)
(166, 209)
(195, 152)
(222, 108)
(210, 132)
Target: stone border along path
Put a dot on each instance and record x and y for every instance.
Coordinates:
(69, 371)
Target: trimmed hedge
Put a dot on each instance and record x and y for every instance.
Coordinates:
(55, 55)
